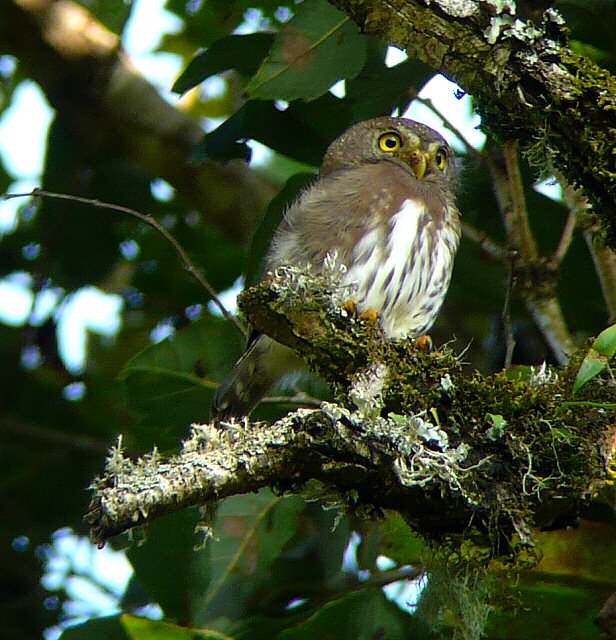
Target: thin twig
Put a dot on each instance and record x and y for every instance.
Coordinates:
(604, 260)
(150, 221)
(506, 317)
(603, 257)
(383, 578)
(565, 240)
(447, 123)
(299, 399)
(51, 437)
(516, 215)
(486, 244)
(489, 246)
(541, 302)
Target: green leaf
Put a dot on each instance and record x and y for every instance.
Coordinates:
(144, 629)
(243, 53)
(207, 21)
(379, 89)
(497, 426)
(363, 615)
(223, 579)
(130, 627)
(400, 542)
(550, 608)
(303, 131)
(592, 365)
(169, 568)
(593, 27)
(113, 14)
(171, 384)
(250, 532)
(605, 344)
(597, 358)
(109, 628)
(562, 596)
(317, 47)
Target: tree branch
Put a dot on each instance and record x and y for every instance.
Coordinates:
(482, 458)
(527, 83)
(535, 276)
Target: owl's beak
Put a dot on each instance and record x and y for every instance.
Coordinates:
(418, 162)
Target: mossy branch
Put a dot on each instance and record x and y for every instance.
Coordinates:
(527, 82)
(456, 453)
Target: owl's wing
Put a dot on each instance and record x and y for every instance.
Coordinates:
(263, 363)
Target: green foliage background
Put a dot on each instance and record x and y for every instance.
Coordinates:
(266, 551)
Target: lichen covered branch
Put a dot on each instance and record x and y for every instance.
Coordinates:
(455, 454)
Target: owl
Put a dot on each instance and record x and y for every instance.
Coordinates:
(384, 204)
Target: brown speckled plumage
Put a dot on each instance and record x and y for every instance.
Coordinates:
(389, 215)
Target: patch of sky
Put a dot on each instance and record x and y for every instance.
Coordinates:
(194, 311)
(23, 131)
(88, 309)
(16, 299)
(455, 105)
(129, 249)
(405, 592)
(75, 391)
(93, 579)
(550, 188)
(338, 89)
(164, 329)
(228, 298)
(144, 31)
(162, 190)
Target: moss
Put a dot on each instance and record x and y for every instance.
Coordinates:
(505, 454)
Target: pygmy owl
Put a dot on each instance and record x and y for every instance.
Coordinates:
(384, 203)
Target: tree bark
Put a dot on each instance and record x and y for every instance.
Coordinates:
(485, 459)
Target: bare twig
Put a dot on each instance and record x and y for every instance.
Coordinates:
(506, 316)
(299, 399)
(602, 255)
(486, 244)
(383, 578)
(51, 437)
(604, 260)
(516, 213)
(447, 123)
(565, 240)
(537, 281)
(151, 222)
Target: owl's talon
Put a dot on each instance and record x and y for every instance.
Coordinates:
(369, 315)
(350, 307)
(424, 343)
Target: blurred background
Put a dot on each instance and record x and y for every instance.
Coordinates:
(103, 332)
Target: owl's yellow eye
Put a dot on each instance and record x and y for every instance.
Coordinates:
(441, 158)
(390, 142)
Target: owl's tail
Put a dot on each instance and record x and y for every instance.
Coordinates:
(262, 365)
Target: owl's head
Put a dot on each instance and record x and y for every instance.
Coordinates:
(411, 144)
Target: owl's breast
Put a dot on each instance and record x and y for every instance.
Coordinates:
(402, 266)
